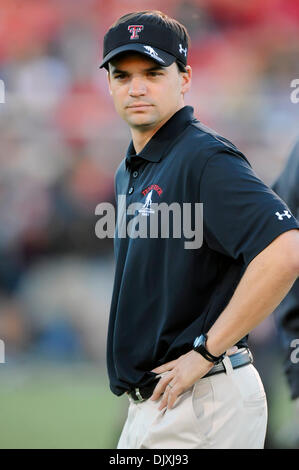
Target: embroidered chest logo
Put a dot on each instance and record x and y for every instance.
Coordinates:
(135, 29)
(148, 192)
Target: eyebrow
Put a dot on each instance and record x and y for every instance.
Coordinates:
(150, 69)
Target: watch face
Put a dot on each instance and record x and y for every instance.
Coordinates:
(197, 341)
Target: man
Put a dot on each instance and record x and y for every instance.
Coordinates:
(180, 316)
(287, 314)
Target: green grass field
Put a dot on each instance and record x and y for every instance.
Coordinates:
(66, 407)
(70, 406)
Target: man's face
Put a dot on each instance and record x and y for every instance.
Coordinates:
(145, 94)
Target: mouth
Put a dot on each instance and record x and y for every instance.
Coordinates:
(139, 107)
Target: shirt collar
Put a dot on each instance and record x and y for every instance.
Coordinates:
(158, 145)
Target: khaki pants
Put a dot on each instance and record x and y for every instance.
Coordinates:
(224, 411)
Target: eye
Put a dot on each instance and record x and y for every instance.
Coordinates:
(154, 74)
(120, 76)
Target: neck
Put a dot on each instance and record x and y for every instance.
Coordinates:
(141, 137)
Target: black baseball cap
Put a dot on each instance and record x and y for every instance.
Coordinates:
(151, 38)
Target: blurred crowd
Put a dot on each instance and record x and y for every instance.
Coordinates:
(61, 142)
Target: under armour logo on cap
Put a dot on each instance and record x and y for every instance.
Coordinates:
(182, 50)
(134, 30)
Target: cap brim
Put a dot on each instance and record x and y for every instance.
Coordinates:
(157, 55)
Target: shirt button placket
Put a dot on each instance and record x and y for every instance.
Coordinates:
(134, 175)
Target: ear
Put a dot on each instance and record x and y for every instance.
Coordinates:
(186, 78)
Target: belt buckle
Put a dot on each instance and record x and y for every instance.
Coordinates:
(138, 394)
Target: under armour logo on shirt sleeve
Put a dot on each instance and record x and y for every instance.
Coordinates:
(281, 216)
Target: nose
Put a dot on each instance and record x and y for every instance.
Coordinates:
(137, 87)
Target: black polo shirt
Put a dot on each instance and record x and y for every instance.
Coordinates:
(165, 295)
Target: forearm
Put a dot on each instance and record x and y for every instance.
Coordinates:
(266, 281)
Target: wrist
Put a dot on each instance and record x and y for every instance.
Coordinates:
(213, 348)
(200, 346)
(202, 360)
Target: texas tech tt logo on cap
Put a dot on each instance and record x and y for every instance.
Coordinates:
(134, 30)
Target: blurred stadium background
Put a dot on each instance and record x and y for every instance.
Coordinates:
(61, 142)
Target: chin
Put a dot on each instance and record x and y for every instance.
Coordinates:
(142, 121)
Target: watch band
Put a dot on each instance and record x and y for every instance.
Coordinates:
(199, 346)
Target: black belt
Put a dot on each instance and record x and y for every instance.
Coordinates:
(239, 359)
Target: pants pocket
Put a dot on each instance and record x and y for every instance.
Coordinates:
(202, 407)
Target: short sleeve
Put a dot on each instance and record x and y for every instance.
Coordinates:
(241, 215)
